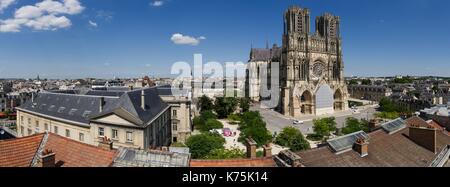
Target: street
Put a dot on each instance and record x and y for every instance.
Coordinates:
(276, 121)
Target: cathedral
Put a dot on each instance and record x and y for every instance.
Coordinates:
(311, 67)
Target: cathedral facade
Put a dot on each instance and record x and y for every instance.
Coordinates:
(311, 67)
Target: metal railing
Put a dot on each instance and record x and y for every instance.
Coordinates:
(442, 158)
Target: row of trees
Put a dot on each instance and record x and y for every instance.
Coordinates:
(223, 106)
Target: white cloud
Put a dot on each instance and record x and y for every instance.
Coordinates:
(45, 15)
(92, 24)
(49, 22)
(157, 3)
(5, 4)
(180, 39)
(28, 12)
(70, 7)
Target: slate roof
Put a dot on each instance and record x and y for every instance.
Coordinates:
(166, 90)
(81, 109)
(69, 153)
(395, 150)
(260, 54)
(105, 93)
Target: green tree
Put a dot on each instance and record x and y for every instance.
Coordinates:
(244, 104)
(225, 106)
(201, 145)
(211, 124)
(323, 127)
(205, 103)
(353, 82)
(292, 138)
(354, 125)
(208, 114)
(252, 125)
(207, 121)
(234, 153)
(366, 82)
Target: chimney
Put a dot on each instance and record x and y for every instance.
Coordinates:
(102, 102)
(267, 150)
(251, 148)
(106, 144)
(287, 158)
(48, 159)
(362, 147)
(143, 99)
(424, 136)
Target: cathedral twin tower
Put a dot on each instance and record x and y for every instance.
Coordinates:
(311, 68)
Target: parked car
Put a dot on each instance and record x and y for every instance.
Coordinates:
(298, 122)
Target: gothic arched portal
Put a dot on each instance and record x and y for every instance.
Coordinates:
(306, 101)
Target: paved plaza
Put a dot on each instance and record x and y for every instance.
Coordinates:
(276, 121)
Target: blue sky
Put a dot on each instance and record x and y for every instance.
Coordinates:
(130, 38)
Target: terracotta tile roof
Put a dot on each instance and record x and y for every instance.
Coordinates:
(435, 125)
(438, 126)
(395, 150)
(416, 121)
(257, 162)
(72, 153)
(69, 153)
(19, 152)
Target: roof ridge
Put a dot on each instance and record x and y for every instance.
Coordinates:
(77, 142)
(20, 138)
(39, 149)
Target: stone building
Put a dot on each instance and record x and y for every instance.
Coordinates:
(369, 92)
(180, 107)
(310, 64)
(135, 119)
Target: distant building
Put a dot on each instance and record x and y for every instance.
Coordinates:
(369, 92)
(136, 119)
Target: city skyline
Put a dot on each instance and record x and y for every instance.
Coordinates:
(110, 38)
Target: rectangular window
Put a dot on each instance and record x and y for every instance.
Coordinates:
(68, 133)
(21, 120)
(129, 136)
(46, 126)
(174, 139)
(55, 130)
(22, 130)
(115, 134)
(101, 131)
(175, 128)
(29, 121)
(37, 123)
(29, 132)
(81, 137)
(174, 113)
